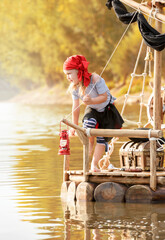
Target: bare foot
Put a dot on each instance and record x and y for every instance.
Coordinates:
(95, 169)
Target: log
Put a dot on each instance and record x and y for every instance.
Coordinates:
(64, 189)
(85, 191)
(110, 192)
(159, 194)
(138, 194)
(71, 196)
(161, 180)
(144, 8)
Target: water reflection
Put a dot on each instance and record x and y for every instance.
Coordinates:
(116, 221)
(30, 182)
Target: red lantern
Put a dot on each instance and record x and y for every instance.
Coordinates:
(64, 143)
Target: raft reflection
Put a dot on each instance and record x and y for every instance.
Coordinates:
(117, 220)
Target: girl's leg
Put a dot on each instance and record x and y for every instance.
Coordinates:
(90, 123)
(91, 144)
(99, 150)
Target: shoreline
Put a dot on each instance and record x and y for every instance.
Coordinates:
(58, 95)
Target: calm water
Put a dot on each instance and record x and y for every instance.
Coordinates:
(31, 178)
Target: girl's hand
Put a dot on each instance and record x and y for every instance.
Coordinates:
(87, 100)
(72, 132)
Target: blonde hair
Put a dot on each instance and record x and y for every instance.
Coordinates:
(80, 85)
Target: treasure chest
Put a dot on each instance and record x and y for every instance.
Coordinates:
(135, 155)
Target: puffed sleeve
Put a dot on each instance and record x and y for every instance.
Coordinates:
(101, 87)
(75, 95)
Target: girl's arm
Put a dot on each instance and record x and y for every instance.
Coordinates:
(97, 100)
(101, 97)
(75, 111)
(75, 115)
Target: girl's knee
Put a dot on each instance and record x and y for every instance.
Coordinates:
(101, 140)
(90, 123)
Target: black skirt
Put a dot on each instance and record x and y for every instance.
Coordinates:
(109, 119)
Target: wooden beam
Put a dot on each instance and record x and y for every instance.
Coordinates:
(117, 132)
(126, 133)
(145, 9)
(73, 125)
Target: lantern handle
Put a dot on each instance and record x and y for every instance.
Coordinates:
(66, 124)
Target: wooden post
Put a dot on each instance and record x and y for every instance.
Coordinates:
(86, 159)
(157, 109)
(85, 141)
(81, 132)
(66, 168)
(153, 181)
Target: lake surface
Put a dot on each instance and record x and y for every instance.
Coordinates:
(31, 175)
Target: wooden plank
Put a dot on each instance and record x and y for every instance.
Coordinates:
(160, 174)
(124, 180)
(127, 174)
(76, 178)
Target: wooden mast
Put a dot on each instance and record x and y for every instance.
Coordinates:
(157, 107)
(157, 13)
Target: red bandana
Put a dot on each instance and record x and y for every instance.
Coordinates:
(80, 63)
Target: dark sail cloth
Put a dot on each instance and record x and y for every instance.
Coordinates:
(151, 36)
(109, 119)
(121, 12)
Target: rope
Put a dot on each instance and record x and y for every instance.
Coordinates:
(144, 75)
(136, 64)
(162, 146)
(66, 117)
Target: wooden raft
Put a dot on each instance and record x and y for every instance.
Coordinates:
(116, 176)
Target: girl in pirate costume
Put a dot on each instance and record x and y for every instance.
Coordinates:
(100, 111)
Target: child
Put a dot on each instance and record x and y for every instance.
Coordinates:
(100, 111)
